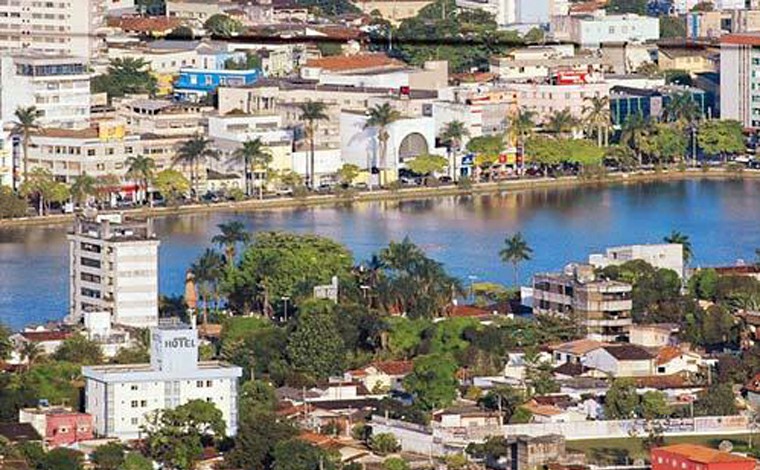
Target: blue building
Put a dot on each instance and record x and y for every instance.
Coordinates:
(651, 104)
(194, 84)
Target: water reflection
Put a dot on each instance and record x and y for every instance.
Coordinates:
(464, 232)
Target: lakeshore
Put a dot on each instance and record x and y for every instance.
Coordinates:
(410, 193)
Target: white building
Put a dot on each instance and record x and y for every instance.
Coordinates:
(510, 12)
(407, 139)
(120, 397)
(113, 266)
(664, 256)
(59, 87)
(540, 61)
(58, 27)
(740, 78)
(590, 31)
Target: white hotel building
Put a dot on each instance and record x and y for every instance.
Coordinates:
(114, 268)
(120, 397)
(740, 78)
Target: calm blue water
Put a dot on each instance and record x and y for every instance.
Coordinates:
(465, 233)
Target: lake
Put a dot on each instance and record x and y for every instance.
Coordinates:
(464, 232)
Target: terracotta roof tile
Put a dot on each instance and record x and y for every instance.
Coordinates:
(742, 39)
(667, 354)
(628, 352)
(342, 63)
(701, 454)
(39, 336)
(578, 347)
(146, 24)
(394, 367)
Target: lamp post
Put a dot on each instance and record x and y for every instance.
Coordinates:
(285, 307)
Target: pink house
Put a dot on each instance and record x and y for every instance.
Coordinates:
(58, 426)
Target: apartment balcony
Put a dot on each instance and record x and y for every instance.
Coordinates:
(608, 323)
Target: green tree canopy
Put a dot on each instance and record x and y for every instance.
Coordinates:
(721, 137)
(547, 151)
(79, 350)
(222, 25)
(125, 76)
(621, 400)
(315, 346)
(432, 381)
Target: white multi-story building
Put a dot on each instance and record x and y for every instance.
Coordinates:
(510, 12)
(121, 397)
(662, 256)
(590, 31)
(59, 87)
(60, 27)
(113, 267)
(740, 78)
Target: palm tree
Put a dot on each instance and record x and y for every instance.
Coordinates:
(682, 109)
(191, 153)
(597, 116)
(254, 154)
(683, 240)
(635, 129)
(207, 270)
(561, 122)
(82, 187)
(31, 352)
(140, 168)
(381, 116)
(311, 113)
(515, 251)
(25, 125)
(232, 233)
(453, 134)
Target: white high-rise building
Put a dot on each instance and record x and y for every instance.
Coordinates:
(121, 397)
(113, 266)
(59, 26)
(58, 86)
(661, 256)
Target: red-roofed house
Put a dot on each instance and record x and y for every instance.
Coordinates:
(695, 457)
(58, 426)
(672, 360)
(48, 341)
(381, 376)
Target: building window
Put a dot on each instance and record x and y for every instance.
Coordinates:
(133, 421)
(199, 383)
(134, 387)
(143, 403)
(135, 403)
(209, 383)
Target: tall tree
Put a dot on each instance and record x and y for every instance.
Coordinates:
(192, 153)
(25, 125)
(41, 185)
(255, 155)
(208, 270)
(561, 123)
(683, 240)
(311, 113)
(682, 109)
(380, 117)
(433, 381)
(83, 187)
(721, 137)
(597, 116)
(635, 129)
(125, 76)
(232, 234)
(515, 251)
(454, 132)
(141, 168)
(315, 346)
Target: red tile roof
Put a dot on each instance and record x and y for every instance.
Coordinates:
(342, 63)
(394, 367)
(468, 311)
(702, 454)
(39, 336)
(151, 24)
(741, 39)
(667, 354)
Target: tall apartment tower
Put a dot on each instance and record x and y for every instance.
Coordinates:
(114, 267)
(53, 26)
(740, 78)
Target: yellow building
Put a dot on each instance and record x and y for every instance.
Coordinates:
(690, 59)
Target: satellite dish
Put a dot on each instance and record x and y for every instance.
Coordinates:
(726, 446)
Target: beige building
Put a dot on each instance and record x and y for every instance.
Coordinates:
(113, 267)
(690, 59)
(603, 307)
(161, 117)
(58, 27)
(393, 10)
(540, 62)
(197, 11)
